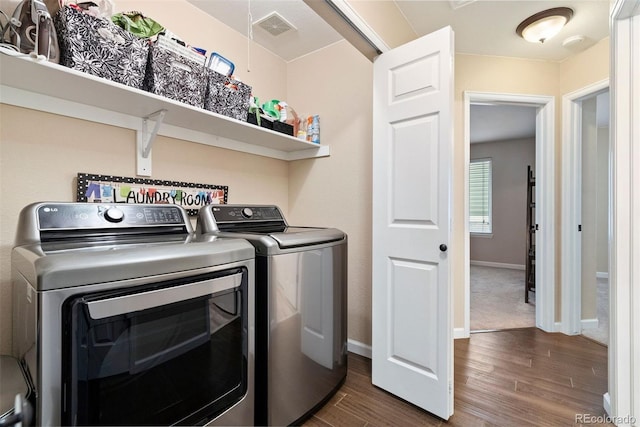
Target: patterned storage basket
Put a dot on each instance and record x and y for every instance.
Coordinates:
(173, 75)
(99, 47)
(227, 96)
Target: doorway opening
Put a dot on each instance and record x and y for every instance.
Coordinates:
(586, 191)
(543, 298)
(501, 220)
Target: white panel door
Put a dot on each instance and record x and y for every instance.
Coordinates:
(412, 167)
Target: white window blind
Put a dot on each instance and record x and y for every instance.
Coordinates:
(480, 196)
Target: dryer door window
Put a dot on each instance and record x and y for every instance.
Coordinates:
(171, 353)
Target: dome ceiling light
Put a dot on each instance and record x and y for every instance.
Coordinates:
(543, 25)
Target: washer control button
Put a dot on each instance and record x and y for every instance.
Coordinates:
(114, 215)
(247, 212)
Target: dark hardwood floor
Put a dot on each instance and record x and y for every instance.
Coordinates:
(519, 377)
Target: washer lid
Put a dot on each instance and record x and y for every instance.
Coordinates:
(294, 237)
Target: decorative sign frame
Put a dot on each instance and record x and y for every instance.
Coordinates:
(94, 188)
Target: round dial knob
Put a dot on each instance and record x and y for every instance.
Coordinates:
(247, 212)
(114, 215)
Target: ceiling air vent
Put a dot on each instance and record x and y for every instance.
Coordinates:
(274, 24)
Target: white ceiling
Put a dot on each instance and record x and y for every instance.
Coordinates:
(310, 34)
(487, 27)
(501, 122)
(481, 27)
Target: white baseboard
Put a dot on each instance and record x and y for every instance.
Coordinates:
(460, 333)
(584, 324)
(498, 265)
(602, 274)
(364, 350)
(589, 323)
(606, 403)
(359, 348)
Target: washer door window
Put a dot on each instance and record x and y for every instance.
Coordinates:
(171, 353)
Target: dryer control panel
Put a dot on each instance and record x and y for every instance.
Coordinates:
(79, 216)
(246, 214)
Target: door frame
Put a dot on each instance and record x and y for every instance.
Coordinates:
(621, 401)
(571, 250)
(545, 212)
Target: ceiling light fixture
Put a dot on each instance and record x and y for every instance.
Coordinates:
(542, 26)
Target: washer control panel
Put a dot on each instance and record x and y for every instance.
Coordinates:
(240, 213)
(111, 215)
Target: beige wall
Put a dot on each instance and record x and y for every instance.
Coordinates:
(588, 210)
(595, 203)
(510, 75)
(509, 161)
(498, 75)
(585, 68)
(386, 20)
(577, 72)
(310, 189)
(336, 191)
(40, 153)
(473, 73)
(502, 75)
(486, 74)
(39, 163)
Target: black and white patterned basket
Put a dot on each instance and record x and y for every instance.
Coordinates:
(227, 96)
(99, 47)
(174, 76)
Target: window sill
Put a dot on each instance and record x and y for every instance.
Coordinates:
(482, 235)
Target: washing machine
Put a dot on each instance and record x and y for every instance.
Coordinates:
(122, 316)
(301, 308)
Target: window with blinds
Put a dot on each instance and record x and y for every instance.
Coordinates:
(480, 196)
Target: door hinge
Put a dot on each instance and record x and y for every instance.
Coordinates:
(579, 227)
(537, 227)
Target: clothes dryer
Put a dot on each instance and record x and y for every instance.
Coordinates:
(123, 317)
(301, 308)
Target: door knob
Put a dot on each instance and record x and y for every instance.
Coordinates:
(443, 247)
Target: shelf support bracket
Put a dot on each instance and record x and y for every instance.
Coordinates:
(144, 141)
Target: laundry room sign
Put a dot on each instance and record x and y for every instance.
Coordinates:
(94, 188)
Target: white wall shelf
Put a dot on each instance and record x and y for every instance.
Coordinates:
(43, 86)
